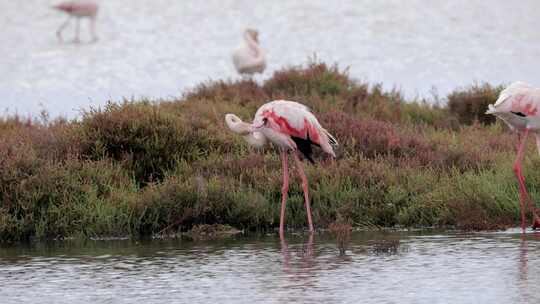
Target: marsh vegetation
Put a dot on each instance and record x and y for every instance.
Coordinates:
(138, 168)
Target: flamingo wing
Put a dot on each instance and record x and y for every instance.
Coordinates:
(518, 106)
(297, 121)
(519, 98)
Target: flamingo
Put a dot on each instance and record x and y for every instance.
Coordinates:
(78, 9)
(249, 57)
(291, 127)
(518, 106)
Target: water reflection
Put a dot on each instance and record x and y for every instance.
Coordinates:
(299, 269)
(527, 241)
(523, 269)
(386, 247)
(305, 254)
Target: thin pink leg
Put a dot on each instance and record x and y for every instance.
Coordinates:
(284, 190)
(306, 190)
(93, 29)
(77, 27)
(61, 28)
(523, 196)
(518, 171)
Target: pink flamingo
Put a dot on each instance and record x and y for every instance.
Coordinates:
(78, 9)
(291, 127)
(249, 57)
(518, 107)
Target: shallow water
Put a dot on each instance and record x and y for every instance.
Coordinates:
(159, 48)
(404, 267)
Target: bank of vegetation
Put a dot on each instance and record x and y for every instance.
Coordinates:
(139, 168)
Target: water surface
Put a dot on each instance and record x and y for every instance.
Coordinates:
(397, 267)
(160, 48)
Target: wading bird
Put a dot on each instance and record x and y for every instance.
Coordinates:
(291, 127)
(518, 106)
(249, 57)
(78, 9)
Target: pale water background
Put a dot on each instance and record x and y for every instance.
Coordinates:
(397, 267)
(160, 48)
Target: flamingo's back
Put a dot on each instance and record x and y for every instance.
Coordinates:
(78, 8)
(295, 121)
(518, 106)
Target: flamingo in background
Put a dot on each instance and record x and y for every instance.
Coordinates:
(249, 57)
(518, 107)
(78, 9)
(291, 127)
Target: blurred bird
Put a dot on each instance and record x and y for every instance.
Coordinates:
(291, 127)
(518, 107)
(249, 57)
(78, 9)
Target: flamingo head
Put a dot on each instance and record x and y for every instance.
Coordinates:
(250, 133)
(237, 125)
(254, 34)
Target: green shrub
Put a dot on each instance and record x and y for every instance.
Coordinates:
(146, 139)
(470, 105)
(57, 200)
(315, 79)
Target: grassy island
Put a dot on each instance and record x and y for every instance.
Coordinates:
(140, 168)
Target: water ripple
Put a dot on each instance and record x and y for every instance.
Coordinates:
(376, 268)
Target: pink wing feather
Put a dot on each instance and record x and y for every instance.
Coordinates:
(519, 97)
(294, 119)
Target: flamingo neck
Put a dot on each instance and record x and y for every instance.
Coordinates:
(253, 45)
(256, 139)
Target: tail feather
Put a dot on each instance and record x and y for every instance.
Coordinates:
(330, 144)
(304, 146)
(331, 139)
(491, 109)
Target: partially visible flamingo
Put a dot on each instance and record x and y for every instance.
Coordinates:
(78, 9)
(249, 57)
(518, 107)
(291, 127)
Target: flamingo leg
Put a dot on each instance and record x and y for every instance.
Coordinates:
(523, 195)
(61, 28)
(284, 190)
(93, 29)
(77, 30)
(305, 187)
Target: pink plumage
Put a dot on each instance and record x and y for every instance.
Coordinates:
(78, 9)
(518, 106)
(290, 126)
(286, 122)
